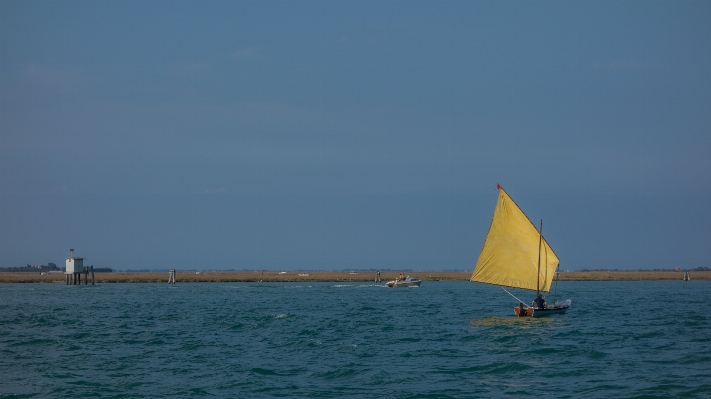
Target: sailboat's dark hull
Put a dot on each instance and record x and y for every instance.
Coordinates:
(558, 308)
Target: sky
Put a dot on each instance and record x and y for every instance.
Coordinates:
(321, 135)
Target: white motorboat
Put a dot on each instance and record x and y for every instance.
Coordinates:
(407, 282)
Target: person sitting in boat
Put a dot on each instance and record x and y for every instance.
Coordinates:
(521, 310)
(401, 278)
(539, 302)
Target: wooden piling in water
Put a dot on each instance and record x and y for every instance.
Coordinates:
(171, 276)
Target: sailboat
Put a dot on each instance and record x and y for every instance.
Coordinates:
(515, 254)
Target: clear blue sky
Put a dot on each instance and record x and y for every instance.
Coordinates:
(352, 134)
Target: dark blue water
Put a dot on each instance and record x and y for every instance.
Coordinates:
(442, 340)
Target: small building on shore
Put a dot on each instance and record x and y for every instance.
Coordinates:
(74, 264)
(75, 268)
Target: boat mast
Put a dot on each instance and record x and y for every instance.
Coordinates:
(538, 277)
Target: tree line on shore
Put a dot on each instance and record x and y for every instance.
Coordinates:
(698, 269)
(49, 267)
(31, 268)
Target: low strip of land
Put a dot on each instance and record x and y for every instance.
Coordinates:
(272, 276)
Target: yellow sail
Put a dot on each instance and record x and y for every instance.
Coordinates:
(511, 249)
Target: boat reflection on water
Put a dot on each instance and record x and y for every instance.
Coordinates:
(507, 322)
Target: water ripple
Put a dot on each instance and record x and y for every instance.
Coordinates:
(445, 340)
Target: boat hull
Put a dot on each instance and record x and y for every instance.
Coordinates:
(408, 282)
(557, 308)
(528, 312)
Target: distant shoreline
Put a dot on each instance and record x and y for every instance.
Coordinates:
(296, 276)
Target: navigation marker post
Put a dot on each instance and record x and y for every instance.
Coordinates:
(171, 276)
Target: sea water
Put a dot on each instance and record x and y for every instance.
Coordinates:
(648, 339)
